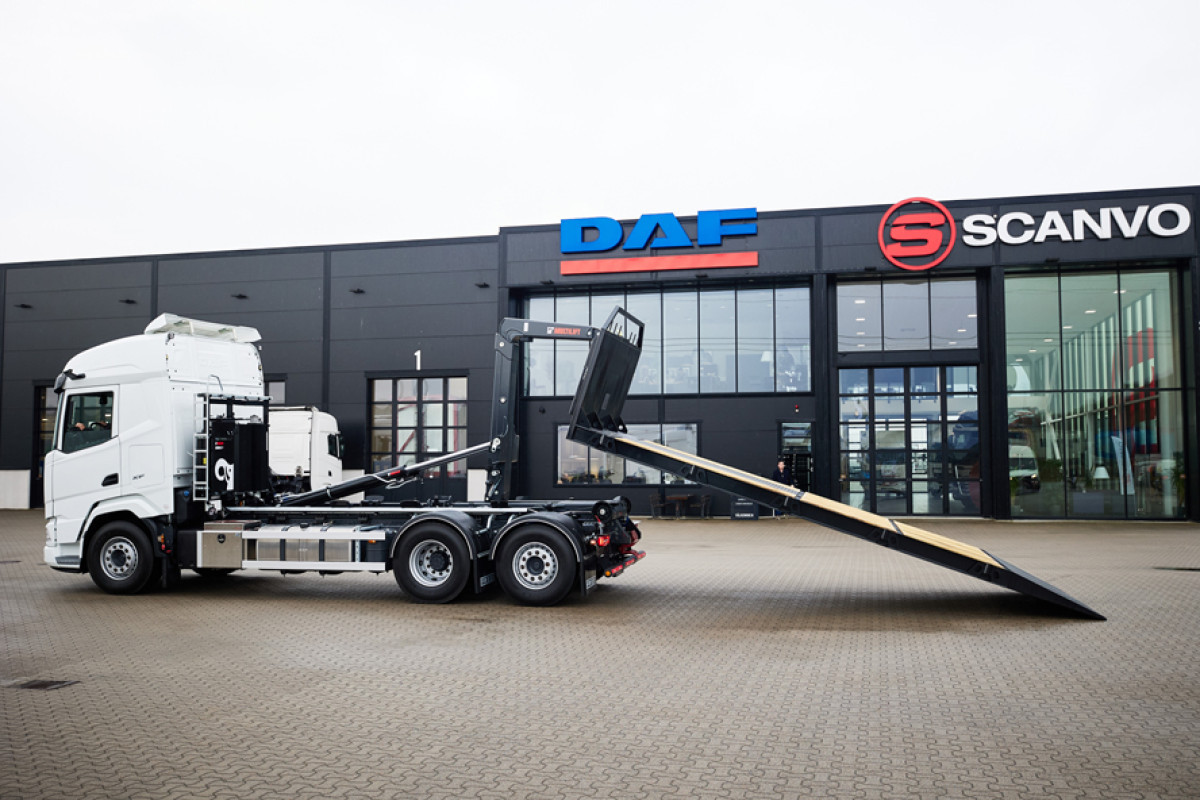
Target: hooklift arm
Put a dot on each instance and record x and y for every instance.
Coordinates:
(503, 445)
(506, 386)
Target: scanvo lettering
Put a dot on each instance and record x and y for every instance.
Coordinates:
(1020, 227)
(655, 231)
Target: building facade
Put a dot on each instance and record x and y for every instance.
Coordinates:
(1030, 357)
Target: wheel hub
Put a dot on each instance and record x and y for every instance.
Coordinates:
(535, 565)
(431, 563)
(120, 559)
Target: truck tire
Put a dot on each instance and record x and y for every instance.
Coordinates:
(432, 564)
(536, 566)
(120, 559)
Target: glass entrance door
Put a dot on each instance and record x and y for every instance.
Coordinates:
(909, 440)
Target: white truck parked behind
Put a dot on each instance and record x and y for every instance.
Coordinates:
(306, 449)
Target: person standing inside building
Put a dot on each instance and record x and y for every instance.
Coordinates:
(782, 474)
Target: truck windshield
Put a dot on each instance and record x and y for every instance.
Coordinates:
(86, 420)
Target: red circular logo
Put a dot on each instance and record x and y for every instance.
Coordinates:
(917, 234)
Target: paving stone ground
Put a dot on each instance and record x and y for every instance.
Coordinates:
(768, 659)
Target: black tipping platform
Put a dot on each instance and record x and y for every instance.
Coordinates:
(596, 421)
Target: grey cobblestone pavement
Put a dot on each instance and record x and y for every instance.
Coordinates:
(740, 659)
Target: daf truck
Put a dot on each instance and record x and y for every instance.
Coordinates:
(161, 462)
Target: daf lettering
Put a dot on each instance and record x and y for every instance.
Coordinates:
(655, 231)
(1020, 227)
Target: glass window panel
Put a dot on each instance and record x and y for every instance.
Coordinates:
(680, 436)
(1035, 424)
(889, 408)
(958, 405)
(954, 314)
(406, 440)
(381, 416)
(569, 356)
(432, 415)
(648, 378)
(435, 441)
(755, 340)
(381, 391)
(924, 380)
(456, 414)
(431, 389)
(539, 361)
(855, 409)
(1090, 329)
(572, 459)
(926, 498)
(793, 350)
(457, 389)
(1150, 348)
(1032, 332)
(962, 379)
(381, 441)
(889, 381)
(643, 473)
(854, 381)
(860, 317)
(925, 407)
(1157, 467)
(603, 305)
(681, 342)
(539, 354)
(855, 437)
(406, 416)
(717, 337)
(906, 315)
(406, 390)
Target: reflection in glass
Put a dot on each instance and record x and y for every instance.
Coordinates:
(854, 381)
(717, 338)
(681, 339)
(581, 464)
(1032, 333)
(1149, 347)
(569, 356)
(648, 377)
(906, 315)
(1090, 322)
(792, 340)
(755, 341)
(1111, 444)
(954, 314)
(539, 354)
(860, 317)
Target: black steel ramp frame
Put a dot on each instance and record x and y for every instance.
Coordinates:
(596, 421)
(870, 527)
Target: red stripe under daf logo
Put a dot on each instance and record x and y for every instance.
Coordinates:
(658, 263)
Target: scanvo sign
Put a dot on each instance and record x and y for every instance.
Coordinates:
(918, 233)
(656, 232)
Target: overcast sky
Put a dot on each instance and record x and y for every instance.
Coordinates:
(170, 126)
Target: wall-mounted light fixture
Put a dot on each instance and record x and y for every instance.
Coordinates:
(358, 291)
(239, 296)
(482, 284)
(23, 305)
(547, 282)
(128, 301)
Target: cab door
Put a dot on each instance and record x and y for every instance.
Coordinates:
(84, 466)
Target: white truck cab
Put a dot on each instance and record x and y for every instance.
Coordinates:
(124, 435)
(306, 449)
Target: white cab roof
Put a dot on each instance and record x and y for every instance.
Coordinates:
(171, 323)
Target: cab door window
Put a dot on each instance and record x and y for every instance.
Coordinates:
(87, 421)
